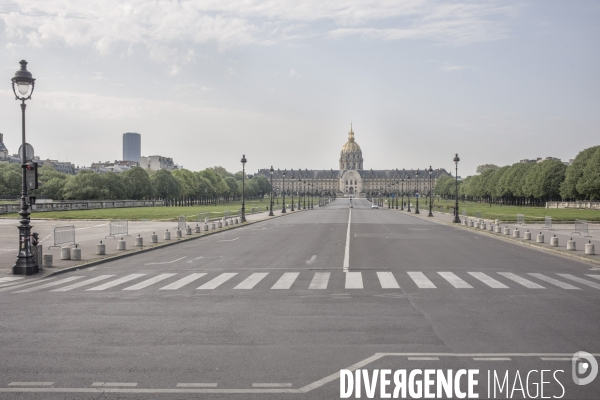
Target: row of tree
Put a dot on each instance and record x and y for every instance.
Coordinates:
(531, 183)
(177, 187)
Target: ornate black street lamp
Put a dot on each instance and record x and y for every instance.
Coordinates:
(283, 194)
(397, 192)
(244, 188)
(23, 84)
(271, 210)
(417, 194)
(304, 195)
(299, 187)
(312, 195)
(402, 194)
(292, 191)
(408, 192)
(430, 192)
(456, 219)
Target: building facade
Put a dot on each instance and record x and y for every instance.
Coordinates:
(351, 179)
(158, 162)
(132, 146)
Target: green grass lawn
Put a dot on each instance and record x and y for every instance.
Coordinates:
(149, 213)
(509, 213)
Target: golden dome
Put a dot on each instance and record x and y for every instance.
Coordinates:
(350, 146)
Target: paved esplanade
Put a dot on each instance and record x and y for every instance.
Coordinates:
(266, 311)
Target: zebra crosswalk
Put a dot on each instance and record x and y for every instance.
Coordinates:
(309, 280)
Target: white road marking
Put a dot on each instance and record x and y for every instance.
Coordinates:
(11, 287)
(228, 240)
(47, 285)
(167, 262)
(491, 282)
(31, 384)
(218, 281)
(354, 280)
(10, 278)
(286, 281)
(491, 358)
(455, 280)
(320, 280)
(116, 282)
(114, 384)
(593, 276)
(347, 250)
(521, 281)
(423, 358)
(553, 281)
(80, 284)
(271, 385)
(555, 359)
(421, 280)
(312, 260)
(197, 258)
(387, 280)
(196, 385)
(183, 281)
(149, 282)
(252, 280)
(580, 280)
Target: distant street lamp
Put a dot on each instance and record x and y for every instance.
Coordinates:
(402, 194)
(26, 263)
(430, 191)
(292, 210)
(304, 194)
(271, 210)
(283, 194)
(417, 194)
(312, 195)
(244, 188)
(456, 219)
(299, 187)
(408, 192)
(389, 196)
(397, 192)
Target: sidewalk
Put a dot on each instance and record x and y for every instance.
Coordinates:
(91, 233)
(563, 231)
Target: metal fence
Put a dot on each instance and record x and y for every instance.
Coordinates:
(226, 213)
(478, 214)
(181, 222)
(202, 217)
(521, 219)
(118, 227)
(64, 235)
(581, 227)
(548, 224)
(464, 212)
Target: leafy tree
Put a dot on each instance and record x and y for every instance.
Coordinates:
(139, 184)
(232, 185)
(188, 182)
(263, 184)
(116, 184)
(86, 185)
(485, 167)
(222, 172)
(165, 186)
(568, 189)
(589, 183)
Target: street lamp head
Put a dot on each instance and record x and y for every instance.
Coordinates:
(24, 82)
(456, 159)
(244, 159)
(283, 173)
(430, 170)
(271, 170)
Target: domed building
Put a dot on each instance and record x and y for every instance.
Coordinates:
(351, 179)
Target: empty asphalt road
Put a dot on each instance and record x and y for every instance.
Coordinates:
(276, 309)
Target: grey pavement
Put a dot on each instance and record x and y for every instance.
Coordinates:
(267, 311)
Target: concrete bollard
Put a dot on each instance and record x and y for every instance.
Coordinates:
(516, 233)
(65, 253)
(237, 220)
(589, 249)
(219, 224)
(225, 223)
(48, 260)
(205, 227)
(498, 229)
(178, 233)
(198, 229)
(527, 235)
(100, 249)
(188, 230)
(122, 244)
(571, 245)
(507, 231)
(206, 220)
(154, 238)
(482, 225)
(496, 222)
(554, 241)
(477, 224)
(139, 241)
(167, 235)
(213, 226)
(491, 227)
(38, 254)
(540, 238)
(75, 254)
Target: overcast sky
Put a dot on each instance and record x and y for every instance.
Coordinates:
(207, 81)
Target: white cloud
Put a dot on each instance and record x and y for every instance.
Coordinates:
(450, 68)
(293, 73)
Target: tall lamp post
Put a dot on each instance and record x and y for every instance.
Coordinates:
(292, 191)
(312, 195)
(244, 188)
(271, 209)
(26, 263)
(283, 194)
(456, 219)
(430, 192)
(304, 195)
(397, 192)
(417, 194)
(408, 192)
(402, 194)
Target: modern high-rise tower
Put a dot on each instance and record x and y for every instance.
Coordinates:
(132, 146)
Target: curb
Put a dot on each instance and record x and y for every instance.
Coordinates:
(160, 246)
(514, 241)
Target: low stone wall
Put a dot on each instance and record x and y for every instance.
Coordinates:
(590, 205)
(81, 205)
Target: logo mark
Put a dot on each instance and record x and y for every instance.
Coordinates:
(584, 363)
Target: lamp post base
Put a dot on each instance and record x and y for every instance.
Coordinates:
(25, 266)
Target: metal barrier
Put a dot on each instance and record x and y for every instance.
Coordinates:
(118, 227)
(548, 224)
(203, 216)
(520, 219)
(226, 213)
(64, 235)
(581, 226)
(478, 214)
(464, 212)
(181, 222)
